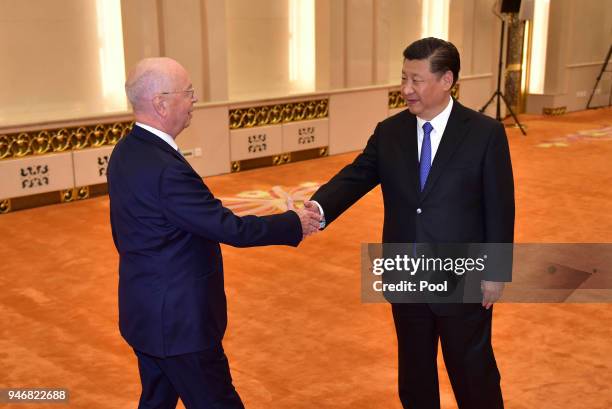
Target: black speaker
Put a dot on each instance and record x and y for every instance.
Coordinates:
(510, 6)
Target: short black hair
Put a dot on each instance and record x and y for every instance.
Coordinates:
(443, 55)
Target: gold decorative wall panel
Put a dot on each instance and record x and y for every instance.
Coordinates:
(5, 206)
(396, 100)
(19, 145)
(77, 193)
(514, 56)
(554, 111)
(455, 90)
(277, 114)
(280, 159)
(54, 197)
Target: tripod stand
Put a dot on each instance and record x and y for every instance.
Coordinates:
(601, 73)
(500, 96)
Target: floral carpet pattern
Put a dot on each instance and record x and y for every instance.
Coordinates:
(589, 135)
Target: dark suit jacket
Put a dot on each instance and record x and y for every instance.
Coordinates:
(167, 227)
(469, 194)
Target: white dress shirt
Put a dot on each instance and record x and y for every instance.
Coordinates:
(162, 135)
(439, 124)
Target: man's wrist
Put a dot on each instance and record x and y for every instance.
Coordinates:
(322, 223)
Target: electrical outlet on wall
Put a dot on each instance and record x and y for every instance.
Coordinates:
(581, 94)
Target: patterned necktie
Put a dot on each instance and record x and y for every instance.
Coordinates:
(425, 161)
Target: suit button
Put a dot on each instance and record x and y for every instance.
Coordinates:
(419, 211)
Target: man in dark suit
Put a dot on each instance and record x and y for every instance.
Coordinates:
(167, 227)
(446, 177)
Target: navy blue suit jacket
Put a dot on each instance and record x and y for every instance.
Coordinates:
(167, 227)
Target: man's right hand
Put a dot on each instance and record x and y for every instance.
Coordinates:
(309, 218)
(310, 205)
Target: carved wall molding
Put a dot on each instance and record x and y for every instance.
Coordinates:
(264, 115)
(554, 111)
(23, 144)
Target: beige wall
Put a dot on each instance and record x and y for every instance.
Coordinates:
(50, 67)
(215, 50)
(238, 49)
(592, 41)
(403, 19)
(360, 57)
(474, 30)
(141, 30)
(257, 39)
(330, 40)
(182, 37)
(580, 33)
(191, 31)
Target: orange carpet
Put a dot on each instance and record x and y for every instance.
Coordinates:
(299, 336)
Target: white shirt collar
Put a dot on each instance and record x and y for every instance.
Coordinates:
(439, 125)
(162, 135)
(439, 121)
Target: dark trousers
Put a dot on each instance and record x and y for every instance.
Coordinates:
(467, 351)
(201, 379)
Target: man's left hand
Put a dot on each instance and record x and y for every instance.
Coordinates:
(491, 292)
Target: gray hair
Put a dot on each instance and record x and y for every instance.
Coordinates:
(146, 79)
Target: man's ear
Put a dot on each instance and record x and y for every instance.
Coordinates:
(447, 80)
(160, 105)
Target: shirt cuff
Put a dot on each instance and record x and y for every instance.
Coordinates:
(322, 223)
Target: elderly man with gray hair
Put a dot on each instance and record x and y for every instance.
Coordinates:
(167, 227)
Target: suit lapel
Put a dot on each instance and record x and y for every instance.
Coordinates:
(409, 146)
(454, 133)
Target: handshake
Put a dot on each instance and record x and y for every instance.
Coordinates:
(310, 217)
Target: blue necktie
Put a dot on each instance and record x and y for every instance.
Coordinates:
(425, 161)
